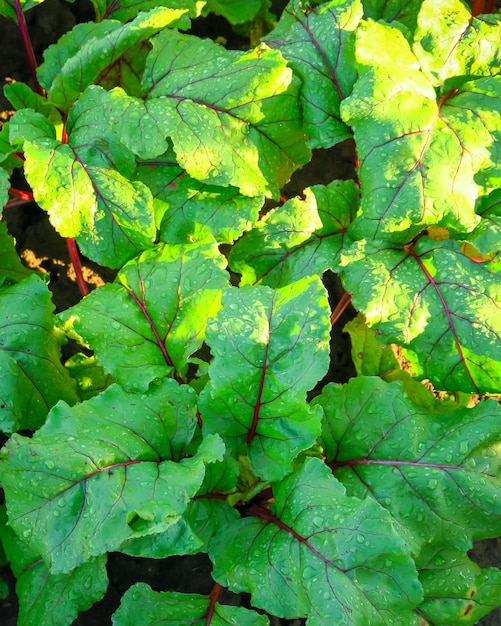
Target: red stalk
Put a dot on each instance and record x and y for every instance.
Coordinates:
(340, 307)
(214, 598)
(77, 266)
(21, 22)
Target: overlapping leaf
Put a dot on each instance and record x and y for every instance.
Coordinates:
(82, 54)
(270, 347)
(141, 603)
(46, 599)
(125, 10)
(436, 474)
(11, 268)
(188, 207)
(233, 117)
(8, 7)
(402, 134)
(103, 471)
(204, 516)
(83, 184)
(304, 237)
(450, 42)
(319, 553)
(456, 590)
(32, 378)
(149, 322)
(486, 237)
(393, 11)
(444, 308)
(237, 12)
(319, 45)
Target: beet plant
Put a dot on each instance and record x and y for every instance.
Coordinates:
(195, 417)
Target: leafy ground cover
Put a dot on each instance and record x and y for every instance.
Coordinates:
(195, 417)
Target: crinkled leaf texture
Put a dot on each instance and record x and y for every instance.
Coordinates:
(304, 237)
(32, 378)
(141, 605)
(448, 42)
(188, 207)
(204, 516)
(402, 134)
(4, 186)
(149, 322)
(270, 347)
(79, 57)
(436, 474)
(108, 469)
(456, 590)
(393, 11)
(46, 599)
(319, 45)
(233, 117)
(85, 184)
(443, 307)
(319, 553)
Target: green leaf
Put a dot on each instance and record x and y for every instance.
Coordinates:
(80, 184)
(440, 305)
(419, 158)
(126, 10)
(22, 97)
(149, 322)
(450, 42)
(189, 207)
(319, 553)
(4, 187)
(11, 268)
(73, 493)
(140, 603)
(46, 599)
(393, 11)
(456, 590)
(304, 237)
(435, 474)
(8, 7)
(237, 12)
(270, 347)
(486, 237)
(318, 44)
(204, 516)
(373, 359)
(236, 121)
(90, 378)
(80, 56)
(32, 378)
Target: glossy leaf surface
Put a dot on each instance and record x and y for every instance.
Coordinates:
(164, 298)
(103, 471)
(318, 42)
(82, 54)
(304, 237)
(402, 133)
(319, 554)
(444, 308)
(456, 590)
(280, 349)
(47, 599)
(140, 603)
(436, 474)
(32, 378)
(246, 133)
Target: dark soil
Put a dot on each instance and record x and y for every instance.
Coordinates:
(42, 248)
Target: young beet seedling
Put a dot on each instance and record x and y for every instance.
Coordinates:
(199, 417)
